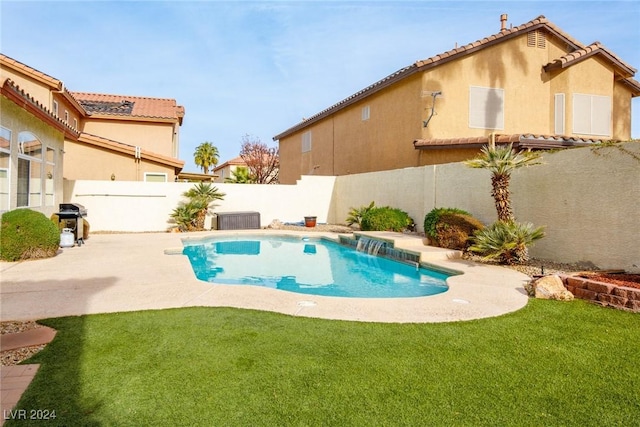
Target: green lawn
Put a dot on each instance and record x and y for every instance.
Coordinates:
(549, 364)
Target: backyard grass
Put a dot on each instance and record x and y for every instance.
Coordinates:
(550, 363)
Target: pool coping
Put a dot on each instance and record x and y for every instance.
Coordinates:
(142, 271)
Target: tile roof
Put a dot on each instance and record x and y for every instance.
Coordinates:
(106, 105)
(236, 161)
(13, 92)
(526, 140)
(595, 48)
(434, 61)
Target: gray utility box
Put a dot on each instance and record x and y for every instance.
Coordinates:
(236, 221)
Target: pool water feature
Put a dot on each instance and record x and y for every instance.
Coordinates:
(313, 266)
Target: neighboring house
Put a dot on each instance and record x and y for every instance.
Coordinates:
(532, 85)
(141, 135)
(102, 137)
(226, 169)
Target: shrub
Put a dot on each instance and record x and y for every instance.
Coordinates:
(385, 219)
(432, 218)
(455, 230)
(190, 215)
(356, 214)
(506, 242)
(27, 234)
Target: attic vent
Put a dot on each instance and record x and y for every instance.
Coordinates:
(536, 39)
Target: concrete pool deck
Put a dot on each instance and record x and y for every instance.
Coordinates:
(146, 271)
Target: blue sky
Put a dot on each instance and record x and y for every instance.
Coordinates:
(258, 68)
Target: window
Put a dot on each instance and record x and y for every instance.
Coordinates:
(55, 108)
(155, 177)
(306, 142)
(75, 124)
(5, 157)
(49, 183)
(366, 113)
(486, 108)
(559, 114)
(66, 116)
(591, 114)
(29, 170)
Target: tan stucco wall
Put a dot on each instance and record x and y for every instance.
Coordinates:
(35, 89)
(64, 105)
(586, 198)
(154, 137)
(94, 163)
(18, 120)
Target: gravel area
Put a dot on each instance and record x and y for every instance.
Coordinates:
(13, 357)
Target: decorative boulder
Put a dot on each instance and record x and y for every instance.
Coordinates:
(276, 224)
(549, 287)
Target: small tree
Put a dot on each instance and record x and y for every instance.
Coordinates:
(263, 162)
(206, 156)
(501, 162)
(506, 240)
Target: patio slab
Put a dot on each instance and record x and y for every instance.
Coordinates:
(143, 271)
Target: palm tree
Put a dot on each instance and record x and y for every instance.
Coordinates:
(200, 198)
(240, 176)
(206, 156)
(501, 162)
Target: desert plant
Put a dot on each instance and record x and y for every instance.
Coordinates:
(432, 218)
(185, 215)
(506, 242)
(501, 162)
(201, 197)
(27, 234)
(385, 219)
(455, 230)
(356, 214)
(239, 176)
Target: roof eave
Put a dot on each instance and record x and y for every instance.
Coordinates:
(24, 101)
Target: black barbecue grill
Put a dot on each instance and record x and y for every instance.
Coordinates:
(72, 214)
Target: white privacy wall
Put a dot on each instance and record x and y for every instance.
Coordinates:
(146, 206)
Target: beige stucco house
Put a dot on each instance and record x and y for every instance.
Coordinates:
(44, 127)
(532, 85)
(225, 170)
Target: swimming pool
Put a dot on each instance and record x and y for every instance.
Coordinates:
(308, 266)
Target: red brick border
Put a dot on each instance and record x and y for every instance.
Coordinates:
(606, 294)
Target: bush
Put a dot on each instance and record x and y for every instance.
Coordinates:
(356, 214)
(27, 234)
(506, 242)
(432, 218)
(455, 230)
(385, 219)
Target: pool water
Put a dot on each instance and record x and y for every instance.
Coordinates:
(308, 266)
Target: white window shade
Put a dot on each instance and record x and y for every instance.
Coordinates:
(559, 114)
(486, 108)
(591, 114)
(306, 142)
